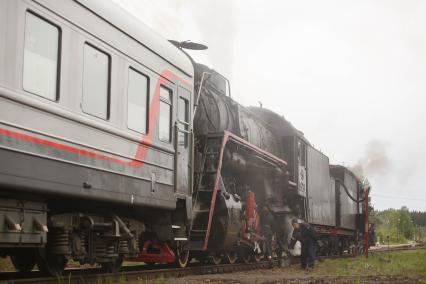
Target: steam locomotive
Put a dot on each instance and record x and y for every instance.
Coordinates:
(115, 144)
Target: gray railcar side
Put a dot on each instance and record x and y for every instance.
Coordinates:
(64, 122)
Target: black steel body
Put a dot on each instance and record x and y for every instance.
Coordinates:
(314, 195)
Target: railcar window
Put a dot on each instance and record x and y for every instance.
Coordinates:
(41, 57)
(96, 70)
(137, 101)
(165, 122)
(183, 109)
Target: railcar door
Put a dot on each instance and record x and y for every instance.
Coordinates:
(182, 164)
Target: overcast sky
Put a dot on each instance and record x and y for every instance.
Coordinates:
(350, 74)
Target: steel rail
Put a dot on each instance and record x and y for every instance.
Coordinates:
(146, 273)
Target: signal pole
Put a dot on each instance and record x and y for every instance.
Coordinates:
(366, 231)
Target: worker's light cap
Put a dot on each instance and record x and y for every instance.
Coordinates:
(295, 221)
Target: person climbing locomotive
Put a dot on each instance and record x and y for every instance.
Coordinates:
(307, 236)
(267, 222)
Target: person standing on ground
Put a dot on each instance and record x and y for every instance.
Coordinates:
(307, 236)
(266, 221)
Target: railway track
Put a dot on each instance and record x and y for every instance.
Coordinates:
(146, 273)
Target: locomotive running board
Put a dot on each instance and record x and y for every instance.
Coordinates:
(199, 235)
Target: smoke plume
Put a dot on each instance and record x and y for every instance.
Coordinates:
(375, 161)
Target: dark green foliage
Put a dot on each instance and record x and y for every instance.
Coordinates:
(399, 224)
(419, 218)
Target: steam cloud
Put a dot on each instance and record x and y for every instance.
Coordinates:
(375, 160)
(221, 31)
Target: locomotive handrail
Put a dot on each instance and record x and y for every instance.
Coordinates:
(257, 149)
(199, 93)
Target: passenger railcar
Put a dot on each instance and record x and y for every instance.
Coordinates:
(95, 140)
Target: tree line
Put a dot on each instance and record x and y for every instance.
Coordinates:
(400, 225)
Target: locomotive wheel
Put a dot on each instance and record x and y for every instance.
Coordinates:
(258, 257)
(245, 255)
(284, 261)
(182, 255)
(231, 257)
(112, 266)
(203, 259)
(24, 259)
(216, 258)
(52, 264)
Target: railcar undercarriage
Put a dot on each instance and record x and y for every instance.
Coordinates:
(34, 233)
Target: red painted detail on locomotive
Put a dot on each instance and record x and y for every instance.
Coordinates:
(250, 221)
(251, 205)
(141, 151)
(330, 230)
(154, 252)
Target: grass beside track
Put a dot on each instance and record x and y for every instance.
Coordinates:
(406, 263)
(381, 267)
(409, 263)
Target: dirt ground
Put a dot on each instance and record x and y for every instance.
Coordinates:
(401, 267)
(288, 275)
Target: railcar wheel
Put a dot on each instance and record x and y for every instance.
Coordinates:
(112, 266)
(24, 260)
(216, 258)
(182, 255)
(231, 257)
(52, 264)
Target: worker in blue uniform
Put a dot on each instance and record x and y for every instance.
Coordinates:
(307, 236)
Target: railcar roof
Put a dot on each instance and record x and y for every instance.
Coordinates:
(128, 24)
(343, 168)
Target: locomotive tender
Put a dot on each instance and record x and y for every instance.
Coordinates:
(100, 160)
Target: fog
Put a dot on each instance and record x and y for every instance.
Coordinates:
(349, 74)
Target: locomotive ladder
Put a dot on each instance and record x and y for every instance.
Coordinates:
(206, 191)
